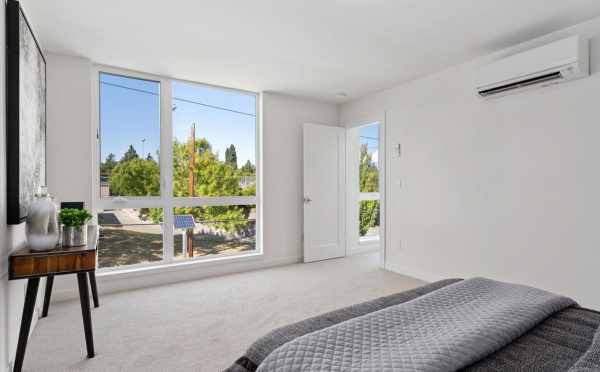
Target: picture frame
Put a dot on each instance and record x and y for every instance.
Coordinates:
(25, 114)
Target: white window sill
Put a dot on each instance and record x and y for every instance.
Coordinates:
(159, 268)
(368, 240)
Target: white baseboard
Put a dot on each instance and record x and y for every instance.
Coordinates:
(118, 282)
(415, 273)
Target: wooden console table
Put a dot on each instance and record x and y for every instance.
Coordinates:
(32, 265)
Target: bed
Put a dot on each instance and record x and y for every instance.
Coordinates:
(566, 338)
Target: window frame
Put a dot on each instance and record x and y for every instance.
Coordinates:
(368, 196)
(166, 200)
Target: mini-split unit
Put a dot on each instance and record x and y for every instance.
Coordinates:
(554, 63)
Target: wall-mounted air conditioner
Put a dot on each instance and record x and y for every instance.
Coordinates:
(554, 63)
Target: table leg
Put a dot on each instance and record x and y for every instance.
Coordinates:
(84, 298)
(30, 296)
(47, 295)
(92, 276)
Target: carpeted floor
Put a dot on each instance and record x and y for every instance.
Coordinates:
(203, 325)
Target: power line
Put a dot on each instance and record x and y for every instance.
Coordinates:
(130, 88)
(177, 98)
(211, 106)
(371, 138)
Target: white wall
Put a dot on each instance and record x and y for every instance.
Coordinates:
(69, 123)
(68, 137)
(69, 128)
(506, 188)
(283, 117)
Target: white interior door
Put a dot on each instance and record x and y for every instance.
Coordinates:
(324, 192)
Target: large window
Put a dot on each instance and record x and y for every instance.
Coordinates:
(130, 136)
(369, 208)
(214, 142)
(176, 170)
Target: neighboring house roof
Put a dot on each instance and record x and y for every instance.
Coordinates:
(184, 221)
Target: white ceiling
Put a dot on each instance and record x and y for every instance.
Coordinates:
(313, 48)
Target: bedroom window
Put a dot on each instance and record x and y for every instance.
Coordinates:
(129, 237)
(214, 158)
(129, 136)
(214, 230)
(177, 166)
(369, 211)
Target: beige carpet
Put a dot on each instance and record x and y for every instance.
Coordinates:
(203, 325)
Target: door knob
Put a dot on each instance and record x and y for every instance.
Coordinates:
(307, 200)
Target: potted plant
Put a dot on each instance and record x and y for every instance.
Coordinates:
(74, 226)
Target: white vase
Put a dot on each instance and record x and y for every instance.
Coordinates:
(42, 222)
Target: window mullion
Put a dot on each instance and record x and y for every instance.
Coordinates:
(166, 167)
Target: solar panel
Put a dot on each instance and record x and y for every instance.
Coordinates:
(184, 221)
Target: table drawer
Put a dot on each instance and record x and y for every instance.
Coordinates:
(32, 266)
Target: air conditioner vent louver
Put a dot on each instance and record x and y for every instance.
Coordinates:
(522, 84)
(558, 62)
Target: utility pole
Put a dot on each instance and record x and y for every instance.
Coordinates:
(143, 143)
(192, 149)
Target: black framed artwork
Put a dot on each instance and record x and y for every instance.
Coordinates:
(25, 114)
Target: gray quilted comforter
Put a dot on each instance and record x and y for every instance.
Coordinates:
(444, 330)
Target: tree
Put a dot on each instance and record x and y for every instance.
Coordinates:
(136, 177)
(130, 154)
(212, 178)
(231, 156)
(368, 182)
(368, 172)
(149, 157)
(248, 169)
(109, 164)
(368, 215)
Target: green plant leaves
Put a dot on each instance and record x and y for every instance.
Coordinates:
(74, 217)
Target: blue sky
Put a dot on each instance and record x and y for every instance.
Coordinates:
(369, 134)
(130, 113)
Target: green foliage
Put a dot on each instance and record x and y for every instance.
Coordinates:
(250, 190)
(109, 164)
(230, 218)
(231, 156)
(154, 214)
(136, 177)
(368, 215)
(368, 182)
(212, 177)
(368, 173)
(74, 217)
(248, 169)
(130, 154)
